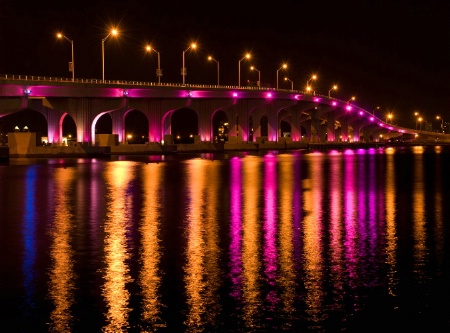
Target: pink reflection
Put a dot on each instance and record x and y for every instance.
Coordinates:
(350, 219)
(236, 227)
(270, 225)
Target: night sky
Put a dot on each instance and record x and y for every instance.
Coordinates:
(391, 54)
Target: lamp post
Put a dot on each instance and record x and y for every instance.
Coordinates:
(113, 32)
(183, 69)
(211, 58)
(332, 88)
(351, 99)
(442, 123)
(284, 66)
(420, 123)
(239, 73)
(72, 64)
(292, 83)
(416, 114)
(314, 77)
(253, 68)
(158, 70)
(389, 117)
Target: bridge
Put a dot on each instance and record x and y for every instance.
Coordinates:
(312, 118)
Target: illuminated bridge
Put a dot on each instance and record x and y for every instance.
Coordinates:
(311, 118)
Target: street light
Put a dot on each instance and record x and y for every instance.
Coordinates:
(253, 68)
(113, 32)
(351, 99)
(308, 87)
(292, 83)
(239, 74)
(420, 122)
(389, 118)
(211, 58)
(72, 64)
(416, 114)
(158, 70)
(442, 122)
(284, 66)
(183, 69)
(332, 88)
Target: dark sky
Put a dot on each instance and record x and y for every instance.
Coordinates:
(392, 54)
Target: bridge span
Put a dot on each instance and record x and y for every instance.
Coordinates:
(312, 118)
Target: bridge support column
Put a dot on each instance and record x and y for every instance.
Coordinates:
(344, 130)
(331, 132)
(356, 132)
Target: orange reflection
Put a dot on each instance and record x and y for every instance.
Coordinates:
(419, 222)
(391, 234)
(287, 269)
(251, 234)
(61, 280)
(202, 271)
(150, 256)
(118, 218)
(312, 233)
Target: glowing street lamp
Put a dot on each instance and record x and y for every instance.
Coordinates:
(351, 99)
(332, 88)
(72, 64)
(211, 58)
(158, 70)
(416, 114)
(292, 83)
(442, 123)
(247, 56)
(253, 68)
(284, 66)
(389, 118)
(308, 87)
(113, 32)
(183, 69)
(420, 122)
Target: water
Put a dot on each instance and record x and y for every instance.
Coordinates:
(346, 241)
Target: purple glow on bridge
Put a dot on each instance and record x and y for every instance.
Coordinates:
(269, 95)
(348, 108)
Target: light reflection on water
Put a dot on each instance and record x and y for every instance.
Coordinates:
(277, 242)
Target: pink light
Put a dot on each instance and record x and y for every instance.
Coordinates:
(348, 107)
(334, 103)
(235, 94)
(269, 95)
(298, 97)
(371, 119)
(360, 113)
(316, 99)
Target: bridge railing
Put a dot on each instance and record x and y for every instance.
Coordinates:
(123, 82)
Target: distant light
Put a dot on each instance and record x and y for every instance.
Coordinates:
(298, 97)
(372, 118)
